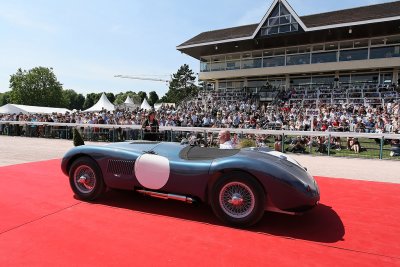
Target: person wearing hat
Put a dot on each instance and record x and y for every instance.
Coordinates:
(150, 126)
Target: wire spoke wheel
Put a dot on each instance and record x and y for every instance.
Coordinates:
(237, 200)
(85, 179)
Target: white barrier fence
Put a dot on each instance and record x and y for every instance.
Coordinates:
(63, 130)
(213, 130)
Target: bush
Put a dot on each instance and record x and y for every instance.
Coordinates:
(247, 143)
(78, 140)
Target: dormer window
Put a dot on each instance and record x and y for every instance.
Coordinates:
(279, 21)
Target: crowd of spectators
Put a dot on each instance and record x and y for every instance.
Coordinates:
(241, 111)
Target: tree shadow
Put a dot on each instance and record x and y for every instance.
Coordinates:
(322, 224)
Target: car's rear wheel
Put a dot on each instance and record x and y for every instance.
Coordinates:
(238, 199)
(86, 179)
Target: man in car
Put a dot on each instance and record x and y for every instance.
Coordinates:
(225, 142)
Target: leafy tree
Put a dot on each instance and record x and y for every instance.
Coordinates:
(153, 98)
(181, 86)
(36, 87)
(142, 95)
(5, 98)
(110, 97)
(121, 97)
(91, 99)
(73, 100)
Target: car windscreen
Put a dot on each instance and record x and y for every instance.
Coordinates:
(206, 153)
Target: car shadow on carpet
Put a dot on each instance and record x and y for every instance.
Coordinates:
(322, 224)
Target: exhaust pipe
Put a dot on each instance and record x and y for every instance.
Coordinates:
(167, 196)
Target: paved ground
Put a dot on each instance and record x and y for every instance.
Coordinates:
(16, 150)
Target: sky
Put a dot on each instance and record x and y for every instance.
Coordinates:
(88, 42)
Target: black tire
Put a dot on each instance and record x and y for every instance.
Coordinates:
(238, 199)
(86, 179)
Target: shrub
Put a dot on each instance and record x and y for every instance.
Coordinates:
(247, 143)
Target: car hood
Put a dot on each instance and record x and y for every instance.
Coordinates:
(135, 146)
(277, 154)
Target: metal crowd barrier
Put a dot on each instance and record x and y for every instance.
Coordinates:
(373, 145)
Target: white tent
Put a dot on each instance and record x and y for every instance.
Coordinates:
(145, 105)
(129, 100)
(14, 108)
(103, 103)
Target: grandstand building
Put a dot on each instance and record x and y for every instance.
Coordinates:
(356, 48)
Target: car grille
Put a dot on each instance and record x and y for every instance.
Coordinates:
(120, 166)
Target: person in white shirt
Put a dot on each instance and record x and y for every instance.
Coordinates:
(225, 142)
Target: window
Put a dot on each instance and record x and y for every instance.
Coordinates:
(279, 21)
(218, 66)
(346, 45)
(298, 59)
(268, 53)
(251, 63)
(246, 55)
(301, 81)
(232, 65)
(304, 49)
(364, 78)
(361, 43)
(356, 54)
(233, 57)
(321, 80)
(324, 57)
(204, 67)
(274, 61)
(393, 40)
(257, 54)
(331, 46)
(318, 48)
(205, 64)
(344, 78)
(256, 83)
(385, 52)
(292, 50)
(279, 52)
(379, 41)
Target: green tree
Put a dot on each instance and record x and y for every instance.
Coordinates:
(110, 97)
(36, 87)
(136, 99)
(142, 96)
(121, 97)
(153, 98)
(5, 98)
(91, 99)
(181, 86)
(73, 100)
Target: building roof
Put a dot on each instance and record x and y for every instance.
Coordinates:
(230, 33)
(379, 11)
(345, 16)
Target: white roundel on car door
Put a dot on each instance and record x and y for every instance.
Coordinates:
(152, 171)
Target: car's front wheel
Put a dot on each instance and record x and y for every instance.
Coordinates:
(238, 199)
(86, 179)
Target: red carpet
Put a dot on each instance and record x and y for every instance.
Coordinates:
(41, 224)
